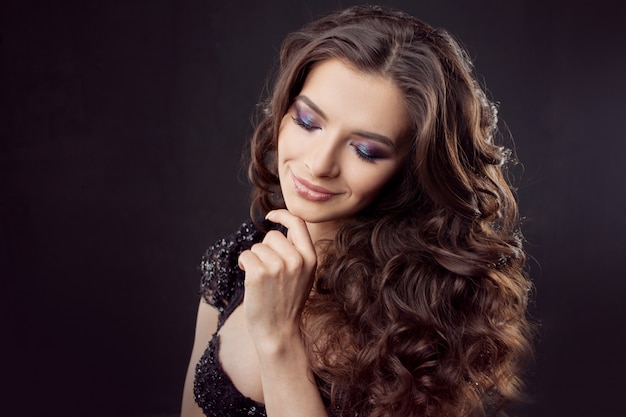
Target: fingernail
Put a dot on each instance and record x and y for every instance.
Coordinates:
(269, 216)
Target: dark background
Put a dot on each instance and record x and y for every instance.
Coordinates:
(121, 130)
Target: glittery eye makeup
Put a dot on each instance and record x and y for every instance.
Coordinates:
(304, 118)
(368, 146)
(368, 152)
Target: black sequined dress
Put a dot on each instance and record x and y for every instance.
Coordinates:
(222, 287)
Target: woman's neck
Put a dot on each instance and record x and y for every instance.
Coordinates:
(322, 232)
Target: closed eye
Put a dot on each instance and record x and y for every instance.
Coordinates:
(304, 119)
(368, 153)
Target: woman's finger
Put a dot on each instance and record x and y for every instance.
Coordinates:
(297, 232)
(248, 261)
(272, 260)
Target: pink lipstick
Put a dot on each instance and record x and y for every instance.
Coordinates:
(310, 191)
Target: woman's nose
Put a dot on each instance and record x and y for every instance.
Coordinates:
(322, 157)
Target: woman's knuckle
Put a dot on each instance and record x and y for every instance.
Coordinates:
(272, 235)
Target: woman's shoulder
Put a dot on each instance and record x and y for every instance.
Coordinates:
(221, 277)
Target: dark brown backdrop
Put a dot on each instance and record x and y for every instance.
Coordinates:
(121, 129)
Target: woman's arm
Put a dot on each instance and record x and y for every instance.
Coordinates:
(279, 276)
(289, 388)
(206, 324)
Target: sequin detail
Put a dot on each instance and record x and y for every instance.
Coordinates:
(214, 391)
(221, 286)
(221, 277)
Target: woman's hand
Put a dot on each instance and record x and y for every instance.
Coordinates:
(279, 275)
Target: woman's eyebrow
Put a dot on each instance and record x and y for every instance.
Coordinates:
(367, 135)
(378, 138)
(312, 105)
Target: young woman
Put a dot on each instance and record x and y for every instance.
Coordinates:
(382, 274)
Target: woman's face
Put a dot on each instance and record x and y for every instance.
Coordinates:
(340, 143)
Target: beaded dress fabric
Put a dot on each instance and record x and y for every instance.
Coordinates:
(222, 287)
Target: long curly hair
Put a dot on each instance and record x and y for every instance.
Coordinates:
(420, 302)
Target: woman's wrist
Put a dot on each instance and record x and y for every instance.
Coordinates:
(278, 345)
(288, 384)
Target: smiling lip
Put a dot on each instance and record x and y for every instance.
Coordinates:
(311, 192)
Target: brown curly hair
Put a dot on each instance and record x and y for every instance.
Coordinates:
(420, 301)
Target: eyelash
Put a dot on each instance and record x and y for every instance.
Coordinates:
(299, 120)
(361, 153)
